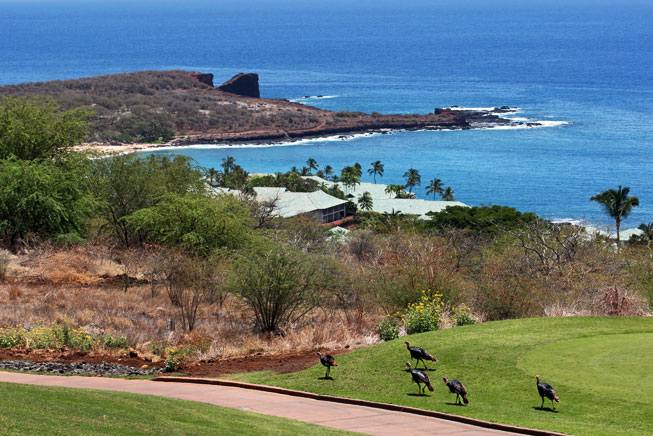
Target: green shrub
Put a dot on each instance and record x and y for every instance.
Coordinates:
(463, 315)
(172, 361)
(43, 197)
(388, 329)
(486, 219)
(111, 342)
(424, 315)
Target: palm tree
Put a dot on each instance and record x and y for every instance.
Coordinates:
(434, 187)
(377, 168)
(365, 201)
(312, 164)
(616, 203)
(412, 179)
(358, 170)
(212, 174)
(448, 194)
(306, 171)
(647, 234)
(394, 189)
(228, 164)
(328, 170)
(349, 180)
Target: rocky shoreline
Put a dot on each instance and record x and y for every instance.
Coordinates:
(78, 368)
(456, 119)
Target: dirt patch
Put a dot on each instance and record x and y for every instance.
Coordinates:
(280, 363)
(72, 356)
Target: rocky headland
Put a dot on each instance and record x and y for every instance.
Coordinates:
(177, 108)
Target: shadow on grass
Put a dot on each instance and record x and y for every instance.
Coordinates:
(455, 404)
(325, 378)
(418, 395)
(545, 409)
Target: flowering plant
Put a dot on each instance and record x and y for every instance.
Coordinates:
(425, 315)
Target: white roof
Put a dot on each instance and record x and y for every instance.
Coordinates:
(376, 190)
(412, 206)
(382, 202)
(624, 235)
(296, 203)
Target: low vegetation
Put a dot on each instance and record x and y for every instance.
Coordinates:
(599, 366)
(38, 410)
(145, 247)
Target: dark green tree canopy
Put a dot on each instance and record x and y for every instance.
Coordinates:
(38, 129)
(485, 219)
(43, 199)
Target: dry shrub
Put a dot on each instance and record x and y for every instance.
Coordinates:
(15, 292)
(4, 265)
(75, 267)
(617, 301)
(410, 264)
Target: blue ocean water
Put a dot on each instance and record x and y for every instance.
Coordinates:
(586, 63)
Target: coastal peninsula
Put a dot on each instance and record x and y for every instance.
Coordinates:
(175, 108)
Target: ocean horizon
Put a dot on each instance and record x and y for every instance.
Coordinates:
(583, 69)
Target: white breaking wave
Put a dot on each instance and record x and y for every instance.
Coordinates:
(264, 143)
(484, 109)
(312, 97)
(530, 125)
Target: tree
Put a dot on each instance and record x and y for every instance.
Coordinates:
(44, 198)
(480, 219)
(357, 170)
(448, 194)
(647, 233)
(435, 187)
(365, 201)
(123, 184)
(616, 203)
(38, 129)
(228, 164)
(212, 175)
(394, 189)
(195, 224)
(377, 168)
(278, 284)
(312, 164)
(328, 171)
(349, 177)
(412, 179)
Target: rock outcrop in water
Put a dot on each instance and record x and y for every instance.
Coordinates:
(245, 84)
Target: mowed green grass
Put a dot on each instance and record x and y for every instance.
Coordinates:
(601, 368)
(38, 410)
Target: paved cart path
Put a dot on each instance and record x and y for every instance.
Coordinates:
(341, 416)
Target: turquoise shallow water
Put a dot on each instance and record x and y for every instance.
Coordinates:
(589, 66)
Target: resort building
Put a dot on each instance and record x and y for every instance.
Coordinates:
(318, 205)
(383, 202)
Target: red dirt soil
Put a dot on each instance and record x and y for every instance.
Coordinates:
(281, 363)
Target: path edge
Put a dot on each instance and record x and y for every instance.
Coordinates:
(366, 403)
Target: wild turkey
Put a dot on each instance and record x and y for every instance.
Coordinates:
(418, 354)
(545, 390)
(328, 361)
(456, 387)
(420, 377)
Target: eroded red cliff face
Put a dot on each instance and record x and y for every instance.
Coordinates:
(245, 84)
(206, 78)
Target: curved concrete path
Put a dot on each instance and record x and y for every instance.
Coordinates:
(341, 416)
